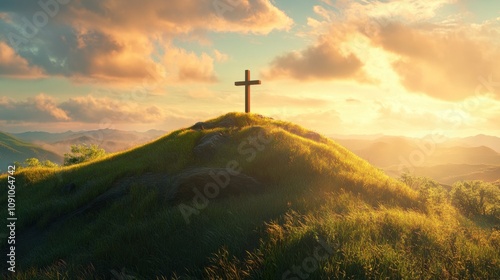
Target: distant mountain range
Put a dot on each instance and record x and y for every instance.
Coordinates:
(110, 140)
(13, 149)
(478, 140)
(454, 159)
(451, 173)
(53, 146)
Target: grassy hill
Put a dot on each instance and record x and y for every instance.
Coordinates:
(239, 197)
(13, 149)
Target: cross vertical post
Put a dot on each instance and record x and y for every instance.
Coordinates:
(247, 83)
(247, 92)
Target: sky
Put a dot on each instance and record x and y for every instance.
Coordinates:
(406, 67)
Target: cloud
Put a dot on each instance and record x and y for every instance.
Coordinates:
(47, 104)
(189, 66)
(14, 66)
(161, 17)
(330, 57)
(95, 56)
(41, 108)
(220, 57)
(83, 109)
(409, 11)
(122, 42)
(323, 61)
(180, 17)
(445, 66)
(94, 110)
(398, 42)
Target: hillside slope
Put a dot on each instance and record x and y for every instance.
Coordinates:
(13, 149)
(239, 197)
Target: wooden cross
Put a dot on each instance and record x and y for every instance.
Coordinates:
(247, 83)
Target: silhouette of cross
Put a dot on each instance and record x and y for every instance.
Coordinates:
(247, 83)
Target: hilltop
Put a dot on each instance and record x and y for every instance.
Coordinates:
(241, 196)
(12, 149)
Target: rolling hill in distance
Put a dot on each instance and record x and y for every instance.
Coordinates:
(13, 149)
(111, 140)
(478, 140)
(452, 173)
(241, 196)
(455, 159)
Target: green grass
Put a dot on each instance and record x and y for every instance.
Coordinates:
(13, 149)
(316, 192)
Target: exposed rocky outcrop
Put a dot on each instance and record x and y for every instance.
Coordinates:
(225, 123)
(208, 145)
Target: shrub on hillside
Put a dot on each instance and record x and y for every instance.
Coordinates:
(34, 162)
(476, 198)
(429, 190)
(83, 153)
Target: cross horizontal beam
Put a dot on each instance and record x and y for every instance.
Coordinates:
(244, 83)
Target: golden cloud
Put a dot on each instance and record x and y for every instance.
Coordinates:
(92, 109)
(120, 41)
(189, 66)
(180, 17)
(84, 109)
(447, 66)
(323, 61)
(14, 66)
(375, 41)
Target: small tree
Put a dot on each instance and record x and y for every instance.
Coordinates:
(32, 162)
(476, 198)
(428, 189)
(83, 153)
